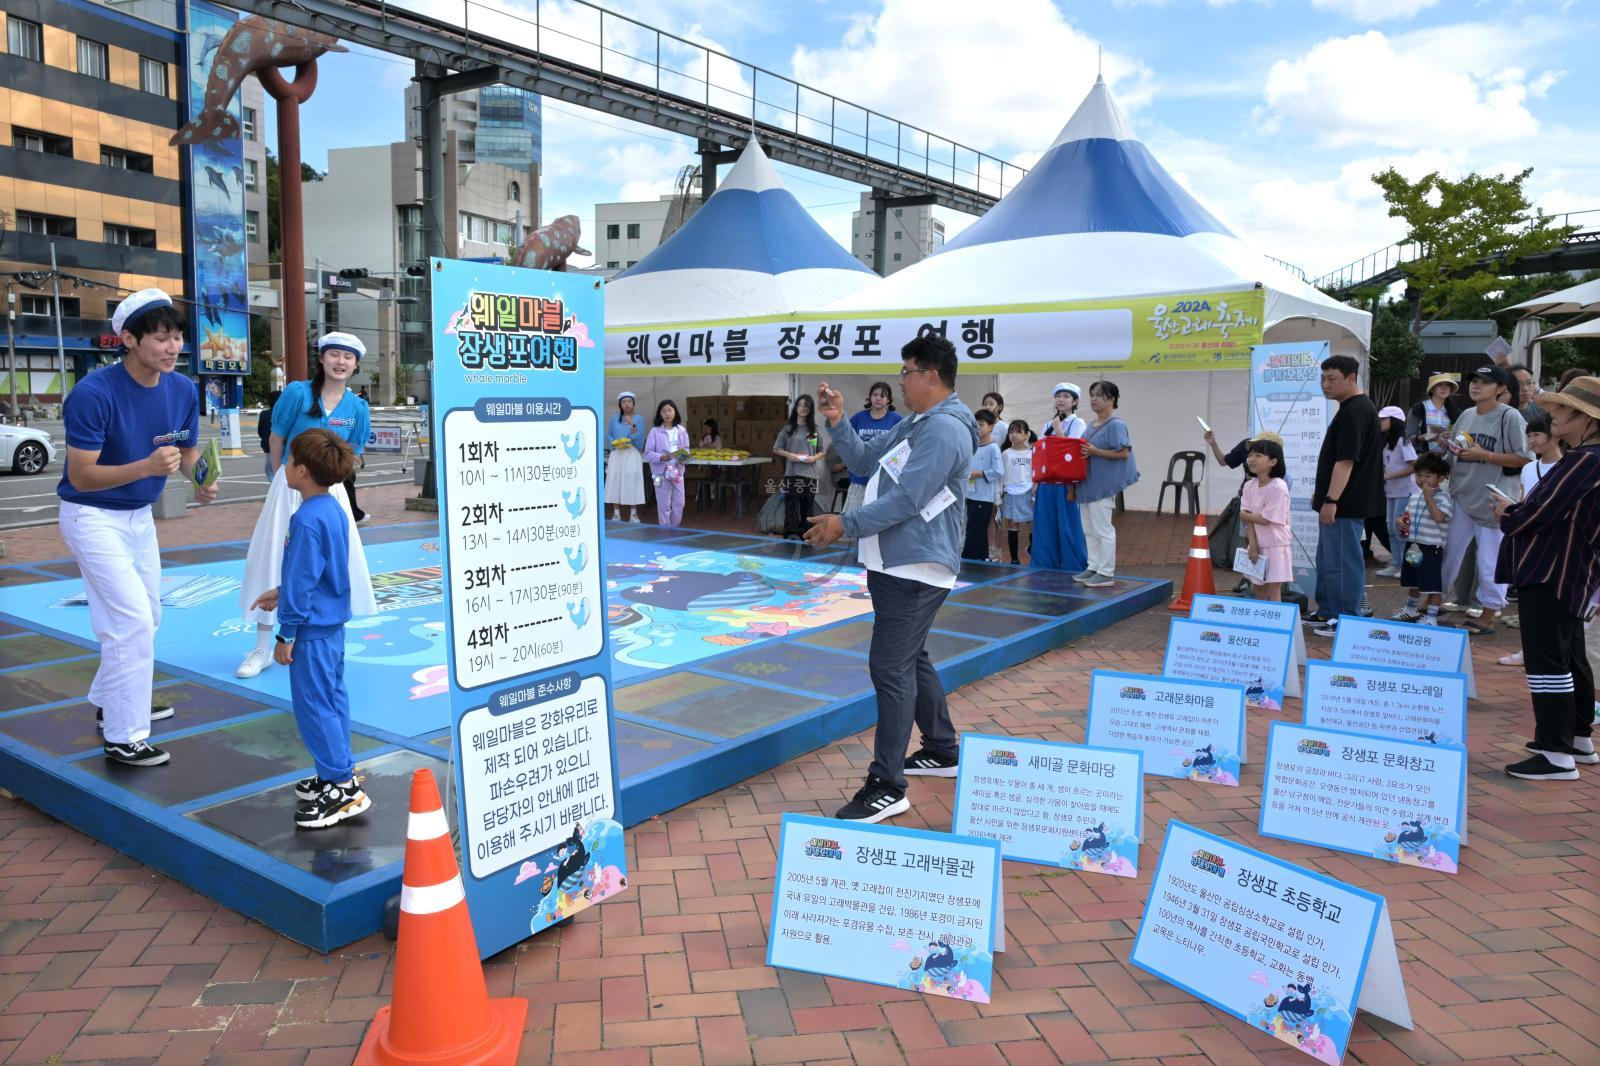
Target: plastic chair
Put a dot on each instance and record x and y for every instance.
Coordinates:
(1190, 481)
(841, 492)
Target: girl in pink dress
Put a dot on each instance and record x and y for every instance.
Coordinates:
(1264, 509)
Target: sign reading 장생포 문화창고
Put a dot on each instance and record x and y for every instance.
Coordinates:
(1258, 659)
(1261, 614)
(516, 391)
(1068, 805)
(1284, 949)
(906, 908)
(1406, 704)
(1398, 800)
(1404, 646)
(1183, 728)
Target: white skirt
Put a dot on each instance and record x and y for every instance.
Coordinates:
(625, 478)
(263, 566)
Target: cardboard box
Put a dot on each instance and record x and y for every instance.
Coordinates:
(699, 408)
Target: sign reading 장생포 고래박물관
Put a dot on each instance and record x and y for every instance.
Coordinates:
(1056, 804)
(1258, 659)
(517, 387)
(1183, 728)
(906, 908)
(1398, 800)
(1286, 950)
(1259, 614)
(1404, 646)
(1406, 704)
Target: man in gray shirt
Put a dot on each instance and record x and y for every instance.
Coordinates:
(1488, 445)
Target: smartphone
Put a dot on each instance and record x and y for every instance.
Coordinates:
(1202, 422)
(1499, 495)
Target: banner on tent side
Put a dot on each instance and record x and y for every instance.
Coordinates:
(1404, 646)
(891, 906)
(1398, 800)
(1188, 729)
(1178, 331)
(1286, 950)
(1258, 659)
(1286, 398)
(1071, 805)
(1406, 704)
(1262, 614)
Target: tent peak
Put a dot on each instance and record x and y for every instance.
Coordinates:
(753, 172)
(1097, 117)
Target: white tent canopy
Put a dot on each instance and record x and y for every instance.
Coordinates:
(1587, 328)
(1578, 299)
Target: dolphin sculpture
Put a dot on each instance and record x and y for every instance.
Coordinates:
(252, 44)
(548, 247)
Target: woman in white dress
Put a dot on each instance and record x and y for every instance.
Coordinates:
(625, 463)
(325, 402)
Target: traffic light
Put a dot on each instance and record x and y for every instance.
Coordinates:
(353, 272)
(416, 270)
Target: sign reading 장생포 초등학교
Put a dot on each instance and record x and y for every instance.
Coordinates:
(1258, 659)
(1286, 950)
(906, 908)
(1398, 800)
(1183, 728)
(1406, 704)
(1261, 614)
(1179, 331)
(1404, 646)
(1069, 805)
(516, 391)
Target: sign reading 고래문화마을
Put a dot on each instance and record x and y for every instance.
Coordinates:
(1183, 728)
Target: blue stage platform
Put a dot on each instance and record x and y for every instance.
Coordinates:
(732, 655)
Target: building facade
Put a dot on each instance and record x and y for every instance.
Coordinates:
(912, 235)
(625, 233)
(495, 124)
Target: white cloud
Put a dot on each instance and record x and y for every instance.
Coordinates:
(1374, 10)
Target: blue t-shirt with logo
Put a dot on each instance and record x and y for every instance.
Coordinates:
(291, 416)
(868, 427)
(110, 413)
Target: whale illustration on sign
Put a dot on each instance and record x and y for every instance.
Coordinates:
(253, 44)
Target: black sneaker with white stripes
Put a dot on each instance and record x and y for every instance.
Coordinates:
(925, 763)
(333, 804)
(158, 711)
(876, 801)
(310, 788)
(136, 753)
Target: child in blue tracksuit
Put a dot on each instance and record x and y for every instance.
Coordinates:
(313, 604)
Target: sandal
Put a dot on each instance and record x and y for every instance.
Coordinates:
(1476, 628)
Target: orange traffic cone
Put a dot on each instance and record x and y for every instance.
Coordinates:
(1196, 579)
(440, 1013)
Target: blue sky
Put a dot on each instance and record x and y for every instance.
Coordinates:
(1273, 112)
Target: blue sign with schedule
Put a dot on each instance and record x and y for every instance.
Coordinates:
(1407, 704)
(900, 907)
(1188, 729)
(1286, 950)
(1256, 658)
(1069, 805)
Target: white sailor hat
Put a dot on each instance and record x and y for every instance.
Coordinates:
(1067, 386)
(625, 395)
(342, 340)
(137, 304)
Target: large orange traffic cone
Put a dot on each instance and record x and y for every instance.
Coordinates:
(440, 1013)
(1196, 579)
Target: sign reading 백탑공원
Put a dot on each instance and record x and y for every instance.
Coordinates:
(1259, 614)
(1404, 646)
(1188, 729)
(905, 908)
(1069, 805)
(1407, 704)
(1258, 659)
(516, 396)
(1397, 800)
(1284, 949)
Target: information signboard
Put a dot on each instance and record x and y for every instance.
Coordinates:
(1404, 646)
(1408, 704)
(1261, 614)
(1189, 729)
(1258, 659)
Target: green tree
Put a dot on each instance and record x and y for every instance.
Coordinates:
(1466, 230)
(274, 193)
(1395, 353)
(258, 385)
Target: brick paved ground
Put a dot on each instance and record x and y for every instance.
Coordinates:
(103, 960)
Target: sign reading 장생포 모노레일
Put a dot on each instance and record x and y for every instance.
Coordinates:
(1261, 614)
(1183, 728)
(1404, 646)
(1407, 704)
(516, 389)
(906, 908)
(1286, 950)
(1069, 805)
(1398, 800)
(1258, 659)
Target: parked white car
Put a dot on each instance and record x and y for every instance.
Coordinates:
(25, 451)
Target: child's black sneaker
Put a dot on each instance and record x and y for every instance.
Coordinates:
(158, 711)
(308, 789)
(1540, 768)
(333, 804)
(136, 753)
(876, 801)
(925, 763)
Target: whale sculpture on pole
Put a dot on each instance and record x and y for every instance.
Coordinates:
(548, 247)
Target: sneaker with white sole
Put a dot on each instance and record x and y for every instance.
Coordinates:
(1451, 607)
(1387, 571)
(1428, 620)
(333, 804)
(925, 763)
(1084, 577)
(254, 663)
(1099, 581)
(1583, 752)
(1540, 768)
(1406, 614)
(876, 800)
(311, 787)
(634, 518)
(158, 711)
(1326, 629)
(136, 753)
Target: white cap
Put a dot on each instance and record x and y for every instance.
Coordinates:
(1067, 386)
(625, 395)
(136, 304)
(342, 340)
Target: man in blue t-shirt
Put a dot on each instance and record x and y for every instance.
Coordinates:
(128, 427)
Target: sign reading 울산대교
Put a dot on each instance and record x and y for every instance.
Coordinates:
(1258, 659)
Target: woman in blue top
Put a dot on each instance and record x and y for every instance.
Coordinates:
(878, 416)
(1109, 450)
(1057, 526)
(625, 459)
(325, 402)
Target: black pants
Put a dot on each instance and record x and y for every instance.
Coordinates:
(1559, 679)
(980, 516)
(350, 491)
(799, 504)
(908, 688)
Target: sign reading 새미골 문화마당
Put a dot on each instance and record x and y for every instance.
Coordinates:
(1186, 729)
(1289, 951)
(1258, 659)
(517, 378)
